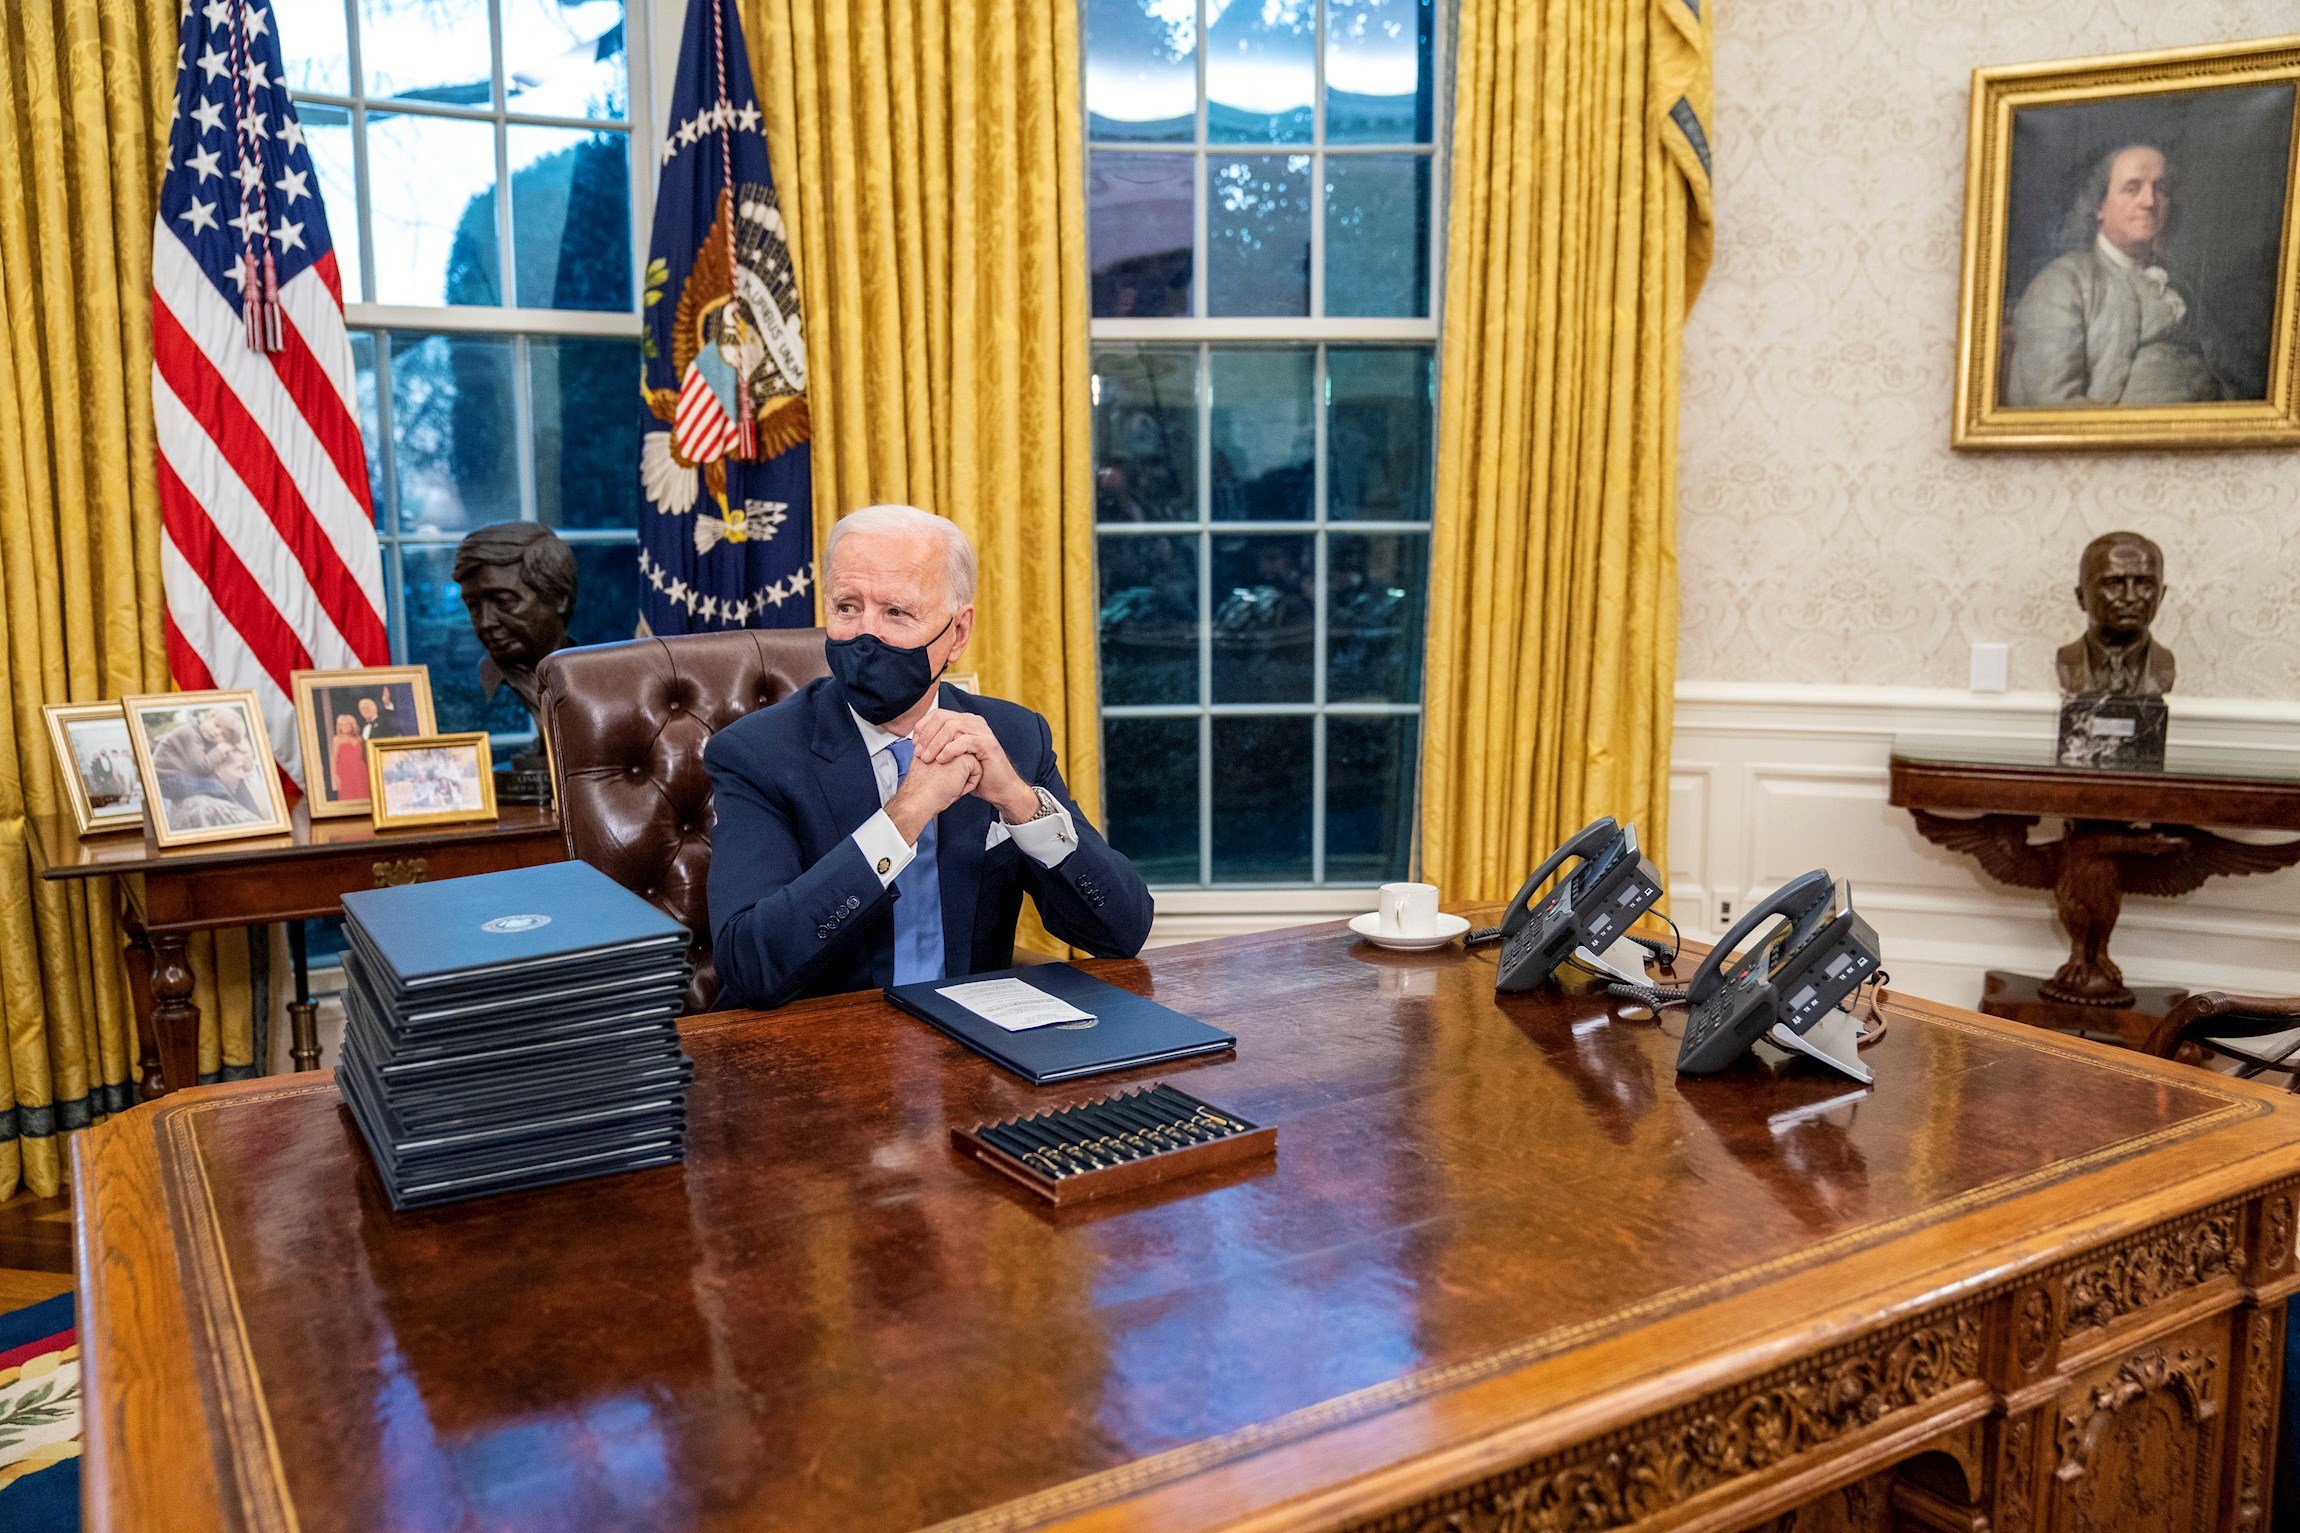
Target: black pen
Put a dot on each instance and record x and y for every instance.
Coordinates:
(1049, 1146)
(1200, 1111)
(1078, 1140)
(1004, 1138)
(1179, 1131)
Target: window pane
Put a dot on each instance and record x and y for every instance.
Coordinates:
(1258, 235)
(1262, 800)
(1141, 70)
(1145, 434)
(453, 433)
(1369, 798)
(370, 427)
(606, 593)
(1378, 433)
(571, 218)
(1265, 435)
(1377, 234)
(1261, 70)
(565, 58)
(1149, 619)
(428, 50)
(313, 49)
(1378, 71)
(439, 635)
(584, 393)
(1138, 232)
(327, 134)
(1265, 618)
(1375, 584)
(433, 184)
(1150, 784)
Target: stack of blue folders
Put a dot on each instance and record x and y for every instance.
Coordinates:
(512, 1030)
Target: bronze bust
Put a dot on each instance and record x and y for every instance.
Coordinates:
(2120, 582)
(518, 584)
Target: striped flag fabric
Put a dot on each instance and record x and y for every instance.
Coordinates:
(268, 551)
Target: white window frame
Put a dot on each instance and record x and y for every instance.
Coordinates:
(1209, 904)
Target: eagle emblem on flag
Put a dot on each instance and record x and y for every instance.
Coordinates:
(723, 458)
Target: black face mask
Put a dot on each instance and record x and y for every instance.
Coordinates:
(881, 680)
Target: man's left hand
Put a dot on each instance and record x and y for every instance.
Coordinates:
(943, 734)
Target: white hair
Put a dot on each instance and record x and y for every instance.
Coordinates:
(910, 521)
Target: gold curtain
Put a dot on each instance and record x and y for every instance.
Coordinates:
(928, 159)
(1577, 235)
(85, 89)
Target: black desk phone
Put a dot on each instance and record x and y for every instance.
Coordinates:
(1792, 980)
(1590, 907)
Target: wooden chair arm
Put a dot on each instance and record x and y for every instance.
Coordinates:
(2229, 1016)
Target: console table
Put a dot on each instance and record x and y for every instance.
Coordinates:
(165, 896)
(1507, 1270)
(2124, 833)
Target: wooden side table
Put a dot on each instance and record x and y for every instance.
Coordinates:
(2123, 833)
(165, 896)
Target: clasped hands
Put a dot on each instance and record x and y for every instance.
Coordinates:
(953, 755)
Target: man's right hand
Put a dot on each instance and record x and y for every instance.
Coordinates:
(928, 789)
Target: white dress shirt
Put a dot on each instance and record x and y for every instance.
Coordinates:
(1045, 840)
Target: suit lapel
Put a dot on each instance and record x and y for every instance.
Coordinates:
(959, 833)
(848, 785)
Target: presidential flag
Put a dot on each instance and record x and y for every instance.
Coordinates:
(268, 553)
(727, 537)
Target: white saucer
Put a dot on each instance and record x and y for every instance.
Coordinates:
(1448, 927)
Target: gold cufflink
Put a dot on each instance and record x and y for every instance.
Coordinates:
(884, 863)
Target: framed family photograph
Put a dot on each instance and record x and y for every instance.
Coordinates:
(97, 764)
(2129, 252)
(206, 765)
(431, 780)
(338, 714)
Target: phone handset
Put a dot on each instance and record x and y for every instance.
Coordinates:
(1793, 898)
(1585, 843)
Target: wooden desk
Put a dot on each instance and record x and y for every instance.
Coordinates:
(2125, 833)
(1506, 1271)
(165, 896)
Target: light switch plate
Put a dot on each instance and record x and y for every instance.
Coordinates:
(1992, 667)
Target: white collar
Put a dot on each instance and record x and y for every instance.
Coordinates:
(874, 738)
(2118, 258)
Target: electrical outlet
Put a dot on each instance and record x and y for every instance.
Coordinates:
(1724, 921)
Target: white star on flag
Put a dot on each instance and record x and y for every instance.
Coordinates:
(200, 215)
(218, 12)
(290, 236)
(258, 76)
(237, 273)
(210, 116)
(250, 217)
(204, 161)
(249, 173)
(292, 186)
(259, 20)
(291, 133)
(253, 125)
(214, 65)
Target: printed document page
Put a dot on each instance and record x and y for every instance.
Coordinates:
(1014, 1004)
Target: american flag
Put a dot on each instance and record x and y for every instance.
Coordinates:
(267, 549)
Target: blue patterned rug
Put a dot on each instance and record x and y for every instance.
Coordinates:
(40, 1419)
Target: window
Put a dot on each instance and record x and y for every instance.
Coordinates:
(1262, 238)
(495, 331)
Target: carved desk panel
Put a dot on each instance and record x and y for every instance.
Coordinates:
(1506, 1271)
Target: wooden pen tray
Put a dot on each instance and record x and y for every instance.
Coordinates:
(1115, 1144)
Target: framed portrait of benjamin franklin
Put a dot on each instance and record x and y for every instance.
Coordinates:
(2129, 252)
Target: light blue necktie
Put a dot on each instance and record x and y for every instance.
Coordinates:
(918, 914)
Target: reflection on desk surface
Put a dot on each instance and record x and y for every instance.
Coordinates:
(1463, 1182)
(2182, 758)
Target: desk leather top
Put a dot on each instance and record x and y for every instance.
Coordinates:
(1492, 1224)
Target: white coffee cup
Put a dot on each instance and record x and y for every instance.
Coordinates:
(1408, 910)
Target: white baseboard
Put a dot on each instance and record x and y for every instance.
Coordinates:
(1768, 781)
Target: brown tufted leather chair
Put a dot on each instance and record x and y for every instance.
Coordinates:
(626, 725)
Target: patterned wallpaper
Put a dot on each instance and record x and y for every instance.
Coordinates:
(1828, 534)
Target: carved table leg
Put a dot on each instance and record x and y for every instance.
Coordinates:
(303, 1011)
(2089, 893)
(148, 1082)
(174, 1018)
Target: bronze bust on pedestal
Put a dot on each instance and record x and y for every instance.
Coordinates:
(518, 584)
(2119, 584)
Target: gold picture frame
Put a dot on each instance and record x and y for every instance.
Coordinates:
(403, 796)
(379, 702)
(2165, 316)
(98, 768)
(217, 783)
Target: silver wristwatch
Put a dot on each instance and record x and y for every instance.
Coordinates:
(1046, 806)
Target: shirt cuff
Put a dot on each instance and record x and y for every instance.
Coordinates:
(883, 847)
(1047, 839)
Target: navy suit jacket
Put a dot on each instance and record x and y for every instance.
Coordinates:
(797, 910)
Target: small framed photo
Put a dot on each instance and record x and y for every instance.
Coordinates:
(431, 780)
(2130, 252)
(337, 714)
(98, 765)
(206, 766)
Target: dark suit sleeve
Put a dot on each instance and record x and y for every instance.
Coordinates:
(1092, 898)
(775, 922)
